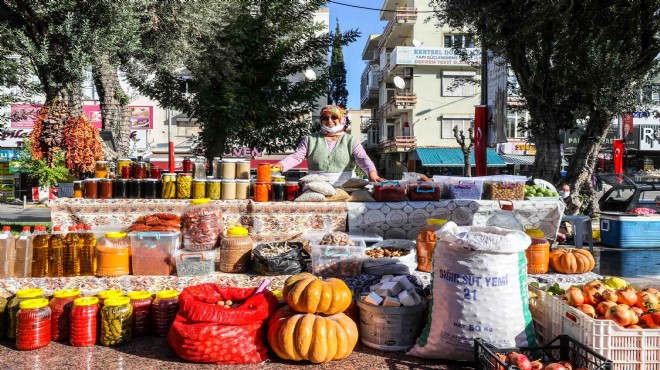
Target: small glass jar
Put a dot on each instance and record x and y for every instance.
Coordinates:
(116, 323)
(184, 186)
(163, 311)
(124, 162)
(214, 189)
(105, 189)
(13, 307)
(235, 250)
(136, 189)
(200, 167)
(126, 172)
(77, 189)
(91, 188)
(83, 321)
(198, 189)
(141, 302)
(228, 190)
(228, 169)
(188, 165)
(261, 192)
(263, 172)
(33, 324)
(278, 192)
(242, 189)
(243, 169)
(215, 167)
(140, 170)
(278, 178)
(169, 186)
(112, 255)
(155, 172)
(101, 169)
(120, 190)
(291, 190)
(60, 307)
(151, 188)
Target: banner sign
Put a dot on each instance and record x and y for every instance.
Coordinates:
(10, 138)
(627, 128)
(23, 115)
(618, 156)
(480, 136)
(432, 56)
(517, 148)
(142, 117)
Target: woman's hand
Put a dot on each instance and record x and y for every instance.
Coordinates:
(373, 176)
(278, 165)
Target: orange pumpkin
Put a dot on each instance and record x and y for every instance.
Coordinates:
(299, 336)
(593, 291)
(572, 261)
(309, 294)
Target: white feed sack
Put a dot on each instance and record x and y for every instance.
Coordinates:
(479, 291)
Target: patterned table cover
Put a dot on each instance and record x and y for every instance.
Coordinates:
(402, 220)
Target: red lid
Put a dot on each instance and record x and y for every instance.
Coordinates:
(80, 226)
(56, 228)
(27, 228)
(507, 207)
(6, 228)
(88, 227)
(72, 228)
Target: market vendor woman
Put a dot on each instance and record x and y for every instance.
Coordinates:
(332, 152)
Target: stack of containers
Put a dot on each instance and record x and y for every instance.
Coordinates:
(234, 176)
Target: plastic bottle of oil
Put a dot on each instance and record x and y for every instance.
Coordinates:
(40, 252)
(7, 253)
(23, 265)
(72, 253)
(87, 251)
(56, 261)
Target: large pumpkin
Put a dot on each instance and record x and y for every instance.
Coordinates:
(304, 336)
(572, 261)
(308, 294)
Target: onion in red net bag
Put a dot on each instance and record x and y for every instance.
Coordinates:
(206, 332)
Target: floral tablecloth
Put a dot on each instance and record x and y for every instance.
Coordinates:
(402, 220)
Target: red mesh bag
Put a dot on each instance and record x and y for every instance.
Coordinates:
(208, 333)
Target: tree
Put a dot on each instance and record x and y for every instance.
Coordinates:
(338, 93)
(466, 148)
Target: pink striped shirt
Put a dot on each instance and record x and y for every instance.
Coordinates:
(300, 155)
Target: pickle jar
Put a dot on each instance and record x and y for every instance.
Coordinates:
(183, 185)
(151, 189)
(141, 302)
(60, 307)
(199, 188)
(107, 294)
(213, 189)
(13, 308)
(101, 169)
(105, 188)
(163, 311)
(120, 190)
(33, 324)
(112, 255)
(78, 189)
(116, 323)
(136, 188)
(91, 188)
(83, 321)
(235, 250)
(261, 192)
(169, 186)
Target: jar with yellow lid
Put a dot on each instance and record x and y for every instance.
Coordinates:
(141, 302)
(112, 255)
(164, 309)
(235, 250)
(201, 225)
(60, 307)
(199, 188)
(33, 325)
(106, 294)
(538, 253)
(83, 322)
(426, 239)
(184, 185)
(116, 323)
(13, 307)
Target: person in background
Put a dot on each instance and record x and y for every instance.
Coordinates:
(446, 171)
(331, 151)
(570, 200)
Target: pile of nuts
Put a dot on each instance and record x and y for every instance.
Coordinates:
(336, 238)
(227, 304)
(387, 252)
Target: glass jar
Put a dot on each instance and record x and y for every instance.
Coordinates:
(155, 172)
(242, 189)
(228, 169)
(261, 192)
(291, 190)
(33, 324)
(77, 189)
(107, 294)
(263, 172)
(183, 186)
(83, 321)
(426, 239)
(123, 162)
(277, 192)
(228, 189)
(120, 190)
(136, 188)
(169, 186)
(91, 188)
(199, 188)
(235, 250)
(163, 311)
(188, 165)
(141, 302)
(101, 169)
(112, 255)
(214, 189)
(116, 323)
(140, 170)
(60, 307)
(243, 170)
(215, 167)
(200, 167)
(126, 172)
(278, 178)
(151, 189)
(13, 307)
(105, 188)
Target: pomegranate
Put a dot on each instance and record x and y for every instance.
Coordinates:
(627, 296)
(610, 295)
(500, 357)
(574, 296)
(518, 359)
(554, 366)
(634, 316)
(652, 319)
(537, 365)
(566, 364)
(633, 327)
(653, 291)
(589, 310)
(647, 301)
(620, 314)
(593, 291)
(603, 306)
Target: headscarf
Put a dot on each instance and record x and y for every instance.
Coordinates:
(333, 109)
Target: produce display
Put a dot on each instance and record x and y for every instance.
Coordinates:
(571, 261)
(307, 293)
(524, 363)
(387, 252)
(532, 191)
(505, 190)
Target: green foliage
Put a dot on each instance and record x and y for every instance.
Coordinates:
(338, 94)
(39, 170)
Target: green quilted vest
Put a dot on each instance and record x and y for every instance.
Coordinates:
(320, 158)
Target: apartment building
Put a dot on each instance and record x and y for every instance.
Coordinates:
(418, 90)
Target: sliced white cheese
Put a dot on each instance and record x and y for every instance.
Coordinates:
(406, 299)
(373, 299)
(392, 288)
(391, 302)
(407, 285)
(386, 278)
(374, 287)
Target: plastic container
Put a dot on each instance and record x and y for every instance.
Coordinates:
(504, 190)
(151, 252)
(337, 260)
(88, 244)
(242, 189)
(505, 218)
(466, 190)
(13, 307)
(82, 322)
(426, 240)
(390, 328)
(195, 263)
(33, 324)
(105, 188)
(235, 250)
(243, 169)
(291, 190)
(424, 191)
(184, 185)
(228, 169)
(538, 253)
(390, 191)
(112, 255)
(41, 251)
(261, 193)
(141, 302)
(151, 189)
(23, 264)
(120, 189)
(163, 311)
(7, 253)
(91, 188)
(60, 307)
(630, 231)
(213, 189)
(101, 169)
(169, 186)
(116, 323)
(72, 253)
(78, 189)
(228, 189)
(201, 225)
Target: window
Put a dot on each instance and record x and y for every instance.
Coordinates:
(390, 132)
(514, 124)
(448, 125)
(655, 93)
(458, 41)
(458, 83)
(186, 128)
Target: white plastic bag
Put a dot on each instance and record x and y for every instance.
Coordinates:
(479, 291)
(392, 265)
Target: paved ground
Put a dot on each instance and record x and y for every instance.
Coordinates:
(13, 212)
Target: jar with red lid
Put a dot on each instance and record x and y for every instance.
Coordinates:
(60, 307)
(33, 324)
(83, 322)
(141, 302)
(126, 172)
(163, 311)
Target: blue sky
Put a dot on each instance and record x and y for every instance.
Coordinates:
(365, 21)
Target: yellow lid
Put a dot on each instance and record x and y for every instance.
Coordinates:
(237, 230)
(200, 201)
(139, 295)
(436, 221)
(278, 294)
(110, 294)
(66, 293)
(165, 294)
(535, 233)
(86, 301)
(116, 301)
(31, 304)
(29, 293)
(115, 235)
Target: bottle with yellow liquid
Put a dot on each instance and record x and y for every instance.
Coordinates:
(23, 263)
(72, 253)
(87, 251)
(40, 252)
(56, 261)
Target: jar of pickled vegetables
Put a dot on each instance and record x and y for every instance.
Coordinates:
(112, 255)
(33, 324)
(141, 302)
(83, 321)
(213, 189)
(199, 188)
(13, 308)
(107, 294)
(163, 311)
(101, 169)
(120, 190)
(116, 323)
(263, 172)
(105, 188)
(60, 307)
(183, 185)
(169, 186)
(78, 189)
(261, 193)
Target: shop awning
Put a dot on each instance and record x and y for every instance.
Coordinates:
(521, 160)
(453, 157)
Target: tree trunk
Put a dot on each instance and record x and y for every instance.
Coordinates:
(547, 161)
(467, 167)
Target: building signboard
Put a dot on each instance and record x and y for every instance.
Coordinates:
(11, 138)
(410, 55)
(649, 137)
(517, 148)
(23, 116)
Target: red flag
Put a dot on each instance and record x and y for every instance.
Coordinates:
(480, 136)
(618, 156)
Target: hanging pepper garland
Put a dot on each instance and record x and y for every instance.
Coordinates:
(83, 144)
(48, 133)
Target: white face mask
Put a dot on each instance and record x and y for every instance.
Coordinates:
(332, 130)
(563, 194)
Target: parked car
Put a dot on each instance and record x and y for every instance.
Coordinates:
(622, 194)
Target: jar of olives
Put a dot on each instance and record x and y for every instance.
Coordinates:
(199, 188)
(184, 185)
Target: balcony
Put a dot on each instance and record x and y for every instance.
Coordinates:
(399, 102)
(399, 144)
(407, 56)
(369, 86)
(400, 25)
(367, 123)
